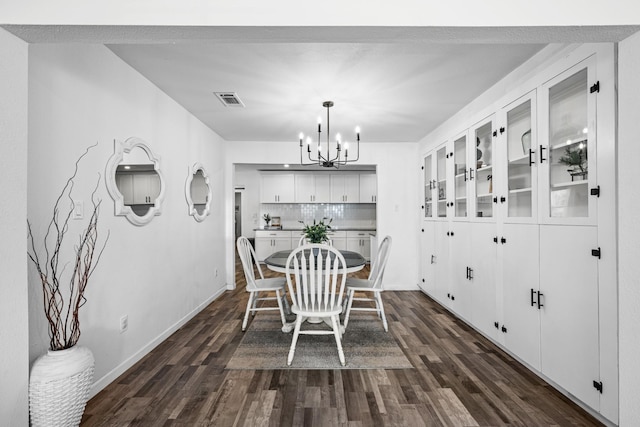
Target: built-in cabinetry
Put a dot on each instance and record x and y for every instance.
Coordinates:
(518, 238)
(270, 241)
(318, 187)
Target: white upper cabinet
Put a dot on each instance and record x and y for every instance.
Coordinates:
(460, 177)
(277, 188)
(312, 188)
(519, 139)
(429, 186)
(345, 188)
(568, 151)
(484, 136)
(368, 188)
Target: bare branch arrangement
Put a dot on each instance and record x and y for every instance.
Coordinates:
(61, 308)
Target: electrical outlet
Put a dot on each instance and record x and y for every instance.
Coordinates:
(124, 323)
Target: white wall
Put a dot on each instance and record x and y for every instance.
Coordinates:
(398, 198)
(159, 274)
(629, 228)
(14, 328)
(249, 178)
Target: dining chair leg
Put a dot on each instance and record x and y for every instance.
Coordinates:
(246, 314)
(279, 299)
(381, 312)
(294, 340)
(336, 332)
(349, 304)
(286, 301)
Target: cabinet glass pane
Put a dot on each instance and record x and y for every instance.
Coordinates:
(568, 147)
(460, 177)
(520, 159)
(428, 187)
(441, 184)
(484, 170)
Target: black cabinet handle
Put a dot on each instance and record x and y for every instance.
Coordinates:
(495, 199)
(542, 159)
(540, 295)
(503, 199)
(470, 273)
(503, 240)
(533, 303)
(470, 174)
(495, 239)
(496, 325)
(467, 273)
(504, 329)
(531, 162)
(465, 174)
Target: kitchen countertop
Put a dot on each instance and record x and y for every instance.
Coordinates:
(332, 229)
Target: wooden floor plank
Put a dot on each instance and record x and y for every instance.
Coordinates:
(459, 379)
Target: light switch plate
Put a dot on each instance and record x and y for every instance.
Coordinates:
(78, 209)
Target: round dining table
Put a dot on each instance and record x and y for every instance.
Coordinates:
(277, 261)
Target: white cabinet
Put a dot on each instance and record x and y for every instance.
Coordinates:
(359, 241)
(338, 239)
(532, 261)
(312, 188)
(277, 188)
(268, 242)
(368, 188)
(569, 312)
(345, 188)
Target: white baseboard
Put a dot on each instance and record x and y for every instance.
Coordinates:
(111, 376)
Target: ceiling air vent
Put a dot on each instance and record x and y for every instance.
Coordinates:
(229, 99)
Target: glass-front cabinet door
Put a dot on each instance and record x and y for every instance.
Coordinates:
(461, 176)
(484, 137)
(429, 186)
(569, 157)
(441, 184)
(521, 160)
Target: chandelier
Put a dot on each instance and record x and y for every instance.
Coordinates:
(316, 156)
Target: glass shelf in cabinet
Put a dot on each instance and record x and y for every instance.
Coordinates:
(520, 190)
(485, 168)
(568, 143)
(569, 183)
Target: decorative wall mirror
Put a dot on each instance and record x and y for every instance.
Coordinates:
(198, 192)
(134, 181)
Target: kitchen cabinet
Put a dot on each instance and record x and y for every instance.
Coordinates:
(338, 239)
(368, 188)
(521, 191)
(270, 241)
(312, 188)
(345, 188)
(359, 241)
(277, 188)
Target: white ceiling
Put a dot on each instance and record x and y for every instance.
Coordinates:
(396, 83)
(393, 91)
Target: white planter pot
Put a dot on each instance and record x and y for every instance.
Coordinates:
(59, 386)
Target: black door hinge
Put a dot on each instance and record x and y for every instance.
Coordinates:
(598, 386)
(595, 87)
(595, 191)
(596, 253)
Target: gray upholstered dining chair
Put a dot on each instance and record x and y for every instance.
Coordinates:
(373, 285)
(316, 277)
(258, 288)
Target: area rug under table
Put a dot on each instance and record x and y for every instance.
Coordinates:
(365, 343)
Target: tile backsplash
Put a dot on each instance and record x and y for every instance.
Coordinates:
(359, 215)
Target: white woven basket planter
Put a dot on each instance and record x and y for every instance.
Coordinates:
(59, 386)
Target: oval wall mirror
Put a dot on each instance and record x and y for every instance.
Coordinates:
(198, 192)
(134, 181)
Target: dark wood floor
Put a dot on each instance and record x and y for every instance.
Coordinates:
(459, 379)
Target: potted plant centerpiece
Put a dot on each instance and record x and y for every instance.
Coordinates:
(317, 232)
(61, 379)
(267, 219)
